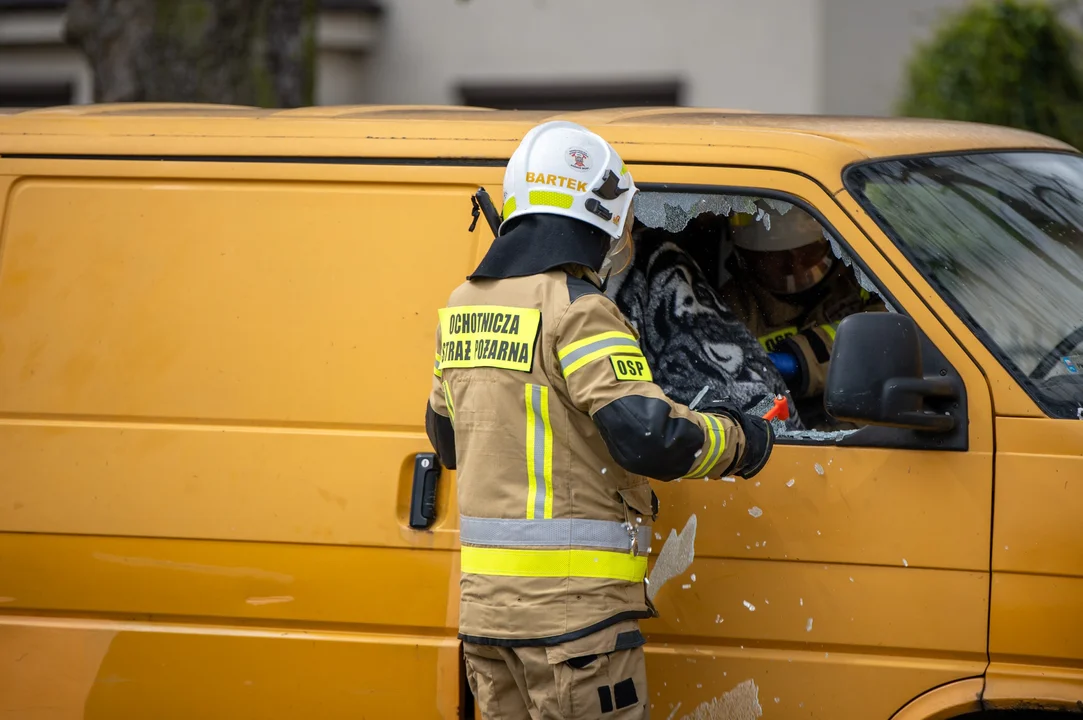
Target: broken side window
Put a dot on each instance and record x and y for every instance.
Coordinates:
(736, 298)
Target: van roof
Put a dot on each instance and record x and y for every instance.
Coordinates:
(658, 135)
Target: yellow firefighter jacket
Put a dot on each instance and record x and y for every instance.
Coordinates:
(545, 405)
(806, 329)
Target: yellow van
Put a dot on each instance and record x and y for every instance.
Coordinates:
(216, 495)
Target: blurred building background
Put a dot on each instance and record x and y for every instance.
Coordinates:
(803, 56)
(38, 69)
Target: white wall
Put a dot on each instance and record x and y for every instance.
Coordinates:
(763, 55)
(867, 44)
(343, 40)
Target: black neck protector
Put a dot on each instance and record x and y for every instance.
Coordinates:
(538, 243)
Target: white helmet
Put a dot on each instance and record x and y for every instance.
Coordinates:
(561, 168)
(793, 230)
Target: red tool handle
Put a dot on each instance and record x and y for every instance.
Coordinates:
(780, 410)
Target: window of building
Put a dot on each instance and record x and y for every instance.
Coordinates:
(31, 95)
(587, 96)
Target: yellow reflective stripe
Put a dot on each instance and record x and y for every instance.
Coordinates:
(553, 563)
(721, 433)
(436, 368)
(569, 349)
(531, 469)
(548, 454)
(539, 453)
(509, 206)
(830, 330)
(705, 464)
(549, 197)
(447, 399)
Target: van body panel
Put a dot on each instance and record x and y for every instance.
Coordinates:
(189, 373)
(126, 670)
(204, 448)
(1037, 591)
(130, 577)
(790, 683)
(148, 126)
(1036, 526)
(856, 522)
(1036, 618)
(162, 300)
(224, 482)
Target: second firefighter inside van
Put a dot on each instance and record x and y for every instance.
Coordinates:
(544, 404)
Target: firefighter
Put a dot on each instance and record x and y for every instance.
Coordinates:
(544, 404)
(792, 292)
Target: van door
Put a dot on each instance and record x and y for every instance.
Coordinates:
(212, 387)
(1036, 627)
(845, 579)
(996, 240)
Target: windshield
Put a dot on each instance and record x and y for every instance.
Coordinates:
(1000, 235)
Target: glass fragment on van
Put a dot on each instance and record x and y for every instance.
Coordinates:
(743, 701)
(675, 558)
(862, 279)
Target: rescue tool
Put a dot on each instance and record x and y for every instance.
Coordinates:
(780, 410)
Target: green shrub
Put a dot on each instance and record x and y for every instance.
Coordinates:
(1005, 62)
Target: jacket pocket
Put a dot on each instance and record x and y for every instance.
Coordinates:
(640, 500)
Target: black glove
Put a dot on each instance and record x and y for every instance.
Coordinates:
(759, 439)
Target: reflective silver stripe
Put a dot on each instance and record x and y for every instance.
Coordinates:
(502, 532)
(539, 450)
(568, 360)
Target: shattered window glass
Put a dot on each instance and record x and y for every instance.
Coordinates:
(782, 429)
(673, 283)
(862, 279)
(1000, 235)
(673, 211)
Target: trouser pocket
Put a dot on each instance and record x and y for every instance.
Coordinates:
(611, 686)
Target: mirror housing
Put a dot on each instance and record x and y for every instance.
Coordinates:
(876, 375)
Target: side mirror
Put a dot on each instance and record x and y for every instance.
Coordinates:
(876, 375)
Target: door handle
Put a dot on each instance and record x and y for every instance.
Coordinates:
(423, 495)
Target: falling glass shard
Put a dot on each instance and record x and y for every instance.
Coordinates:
(675, 557)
